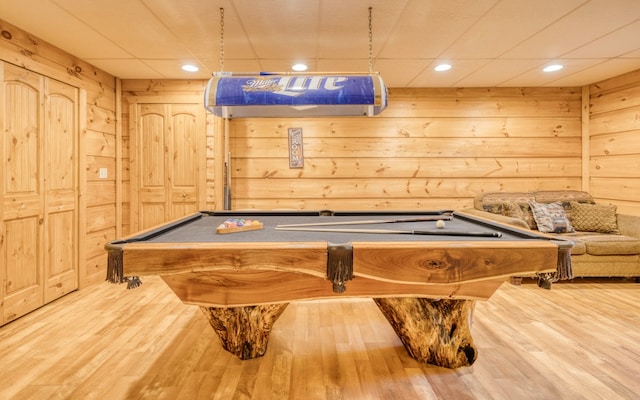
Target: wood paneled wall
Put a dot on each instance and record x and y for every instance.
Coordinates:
(431, 149)
(614, 137)
(97, 122)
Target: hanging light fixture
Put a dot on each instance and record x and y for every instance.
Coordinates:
(236, 95)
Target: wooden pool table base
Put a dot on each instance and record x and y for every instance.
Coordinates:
(435, 332)
(244, 331)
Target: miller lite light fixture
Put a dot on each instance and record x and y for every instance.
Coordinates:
(295, 95)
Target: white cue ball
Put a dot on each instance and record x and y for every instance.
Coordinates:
(440, 224)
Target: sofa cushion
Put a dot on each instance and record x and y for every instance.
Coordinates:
(601, 244)
(550, 217)
(594, 217)
(579, 247)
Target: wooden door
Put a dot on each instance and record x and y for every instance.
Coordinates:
(60, 189)
(38, 249)
(168, 177)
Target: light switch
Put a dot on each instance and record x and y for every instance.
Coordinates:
(102, 173)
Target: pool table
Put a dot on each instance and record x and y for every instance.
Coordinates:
(422, 275)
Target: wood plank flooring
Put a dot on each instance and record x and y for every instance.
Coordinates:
(580, 340)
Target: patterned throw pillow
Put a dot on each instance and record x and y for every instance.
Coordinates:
(550, 217)
(594, 217)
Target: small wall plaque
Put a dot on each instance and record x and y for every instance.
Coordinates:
(296, 155)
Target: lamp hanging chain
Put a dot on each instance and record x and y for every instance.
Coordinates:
(221, 39)
(370, 43)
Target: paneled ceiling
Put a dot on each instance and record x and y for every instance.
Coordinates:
(489, 43)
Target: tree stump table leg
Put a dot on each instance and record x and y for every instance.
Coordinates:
(244, 331)
(436, 332)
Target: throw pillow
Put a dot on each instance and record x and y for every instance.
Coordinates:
(550, 217)
(511, 209)
(594, 217)
(523, 212)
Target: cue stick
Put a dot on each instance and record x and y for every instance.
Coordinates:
(393, 231)
(372, 221)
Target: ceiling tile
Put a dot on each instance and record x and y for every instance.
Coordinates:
(460, 69)
(338, 22)
(496, 72)
(399, 73)
(280, 30)
(121, 21)
(59, 28)
(587, 23)
(426, 29)
(616, 43)
(505, 25)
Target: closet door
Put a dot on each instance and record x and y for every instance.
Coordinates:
(168, 176)
(38, 251)
(60, 189)
(22, 192)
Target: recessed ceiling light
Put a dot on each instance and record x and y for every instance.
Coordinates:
(552, 68)
(299, 67)
(190, 68)
(442, 67)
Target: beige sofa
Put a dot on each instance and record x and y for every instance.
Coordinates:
(606, 244)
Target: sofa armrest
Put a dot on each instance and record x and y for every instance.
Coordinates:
(629, 225)
(497, 217)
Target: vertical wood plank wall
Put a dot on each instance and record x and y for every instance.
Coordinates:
(432, 148)
(614, 129)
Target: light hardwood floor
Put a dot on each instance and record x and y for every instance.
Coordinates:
(580, 340)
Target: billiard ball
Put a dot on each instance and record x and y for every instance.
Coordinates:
(440, 224)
